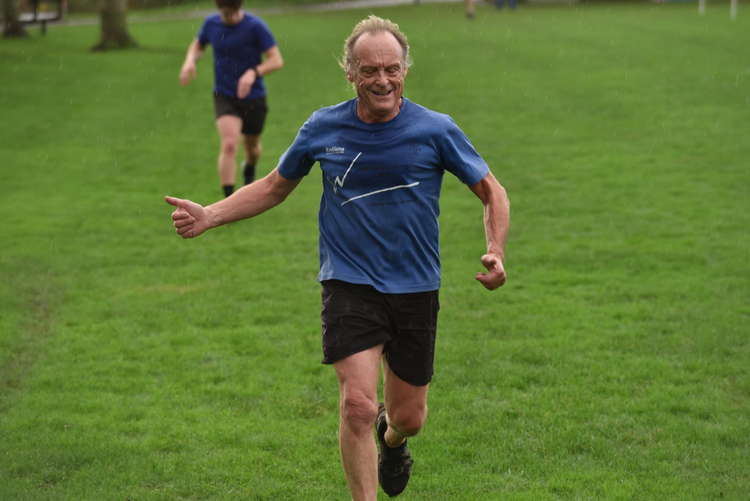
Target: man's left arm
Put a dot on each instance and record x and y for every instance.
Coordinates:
(496, 224)
(272, 61)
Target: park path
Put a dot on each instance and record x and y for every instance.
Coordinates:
(144, 17)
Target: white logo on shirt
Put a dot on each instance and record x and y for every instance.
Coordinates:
(335, 150)
(338, 183)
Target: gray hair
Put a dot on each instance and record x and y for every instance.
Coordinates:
(373, 24)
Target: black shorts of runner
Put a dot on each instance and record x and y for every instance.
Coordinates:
(252, 112)
(357, 317)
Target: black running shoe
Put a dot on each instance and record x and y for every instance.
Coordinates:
(394, 463)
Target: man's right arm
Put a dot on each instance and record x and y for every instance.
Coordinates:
(188, 70)
(191, 219)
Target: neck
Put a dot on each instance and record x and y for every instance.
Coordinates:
(373, 119)
(234, 18)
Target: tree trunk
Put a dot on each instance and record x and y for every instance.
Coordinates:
(12, 27)
(114, 26)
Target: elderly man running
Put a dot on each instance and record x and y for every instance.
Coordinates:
(382, 159)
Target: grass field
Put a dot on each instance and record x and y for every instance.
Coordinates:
(614, 365)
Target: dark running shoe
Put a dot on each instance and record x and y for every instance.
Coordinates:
(394, 463)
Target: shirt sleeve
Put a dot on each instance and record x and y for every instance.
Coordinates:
(203, 38)
(459, 156)
(265, 37)
(297, 160)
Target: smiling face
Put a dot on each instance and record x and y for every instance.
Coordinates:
(378, 74)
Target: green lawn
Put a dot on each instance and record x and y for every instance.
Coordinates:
(614, 365)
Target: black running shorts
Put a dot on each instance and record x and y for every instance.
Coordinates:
(252, 112)
(357, 317)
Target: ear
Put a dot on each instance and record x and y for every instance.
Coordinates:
(350, 76)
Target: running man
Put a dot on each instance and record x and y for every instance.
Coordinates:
(244, 52)
(382, 159)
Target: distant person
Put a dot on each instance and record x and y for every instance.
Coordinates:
(469, 9)
(382, 159)
(244, 52)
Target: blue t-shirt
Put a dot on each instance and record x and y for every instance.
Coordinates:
(381, 184)
(237, 48)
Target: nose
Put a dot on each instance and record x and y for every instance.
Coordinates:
(381, 76)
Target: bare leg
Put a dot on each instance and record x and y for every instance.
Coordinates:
(253, 149)
(469, 8)
(229, 127)
(358, 377)
(406, 407)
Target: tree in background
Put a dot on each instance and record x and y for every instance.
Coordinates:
(113, 15)
(12, 26)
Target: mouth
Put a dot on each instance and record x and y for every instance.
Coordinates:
(381, 92)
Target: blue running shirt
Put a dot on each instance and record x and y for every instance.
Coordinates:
(237, 48)
(381, 184)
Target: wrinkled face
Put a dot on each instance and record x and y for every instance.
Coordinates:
(378, 75)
